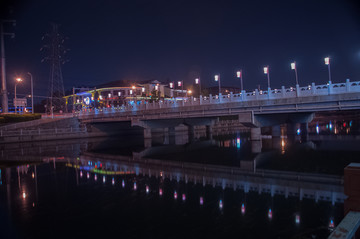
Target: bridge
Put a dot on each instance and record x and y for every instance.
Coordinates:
(254, 109)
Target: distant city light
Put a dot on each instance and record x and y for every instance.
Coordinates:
(201, 201)
(270, 214)
(293, 66)
(216, 77)
(327, 60)
(266, 70)
(24, 195)
(156, 87)
(189, 91)
(133, 87)
(197, 81)
(317, 129)
(18, 79)
(88, 175)
(175, 195)
(135, 187)
(298, 131)
(32, 175)
(104, 179)
(95, 177)
(179, 83)
(109, 95)
(297, 219)
(238, 142)
(143, 89)
(113, 181)
(147, 189)
(171, 85)
(123, 183)
(221, 205)
(243, 209)
(160, 192)
(183, 197)
(131, 92)
(119, 93)
(81, 174)
(331, 224)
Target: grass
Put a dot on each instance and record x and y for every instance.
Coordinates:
(15, 118)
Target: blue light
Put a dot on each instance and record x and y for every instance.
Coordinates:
(238, 142)
(317, 129)
(298, 131)
(330, 126)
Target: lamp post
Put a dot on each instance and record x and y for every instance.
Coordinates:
(181, 83)
(32, 93)
(293, 67)
(18, 80)
(217, 78)
(197, 82)
(266, 72)
(5, 99)
(239, 76)
(327, 62)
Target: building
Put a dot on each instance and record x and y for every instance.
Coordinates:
(117, 96)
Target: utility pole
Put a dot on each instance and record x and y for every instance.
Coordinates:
(55, 57)
(5, 106)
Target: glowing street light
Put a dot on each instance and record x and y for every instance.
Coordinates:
(327, 62)
(18, 80)
(239, 76)
(197, 82)
(217, 78)
(171, 85)
(266, 72)
(293, 67)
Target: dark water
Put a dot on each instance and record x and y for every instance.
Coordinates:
(75, 189)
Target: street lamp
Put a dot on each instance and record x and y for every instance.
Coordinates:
(181, 83)
(266, 72)
(239, 75)
(197, 82)
(293, 67)
(18, 80)
(217, 78)
(327, 62)
(32, 93)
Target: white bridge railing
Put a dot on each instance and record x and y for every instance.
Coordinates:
(256, 95)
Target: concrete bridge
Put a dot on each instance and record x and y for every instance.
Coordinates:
(254, 109)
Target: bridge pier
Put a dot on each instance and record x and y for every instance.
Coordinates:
(290, 132)
(191, 132)
(276, 136)
(208, 132)
(304, 133)
(255, 140)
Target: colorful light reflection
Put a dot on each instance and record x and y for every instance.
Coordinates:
(221, 205)
(270, 214)
(201, 201)
(243, 209)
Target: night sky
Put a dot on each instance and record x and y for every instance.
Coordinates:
(180, 40)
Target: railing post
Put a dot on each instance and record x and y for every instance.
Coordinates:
(231, 96)
(243, 95)
(269, 93)
(347, 85)
(283, 91)
(220, 97)
(330, 87)
(192, 100)
(210, 98)
(313, 88)
(200, 99)
(256, 94)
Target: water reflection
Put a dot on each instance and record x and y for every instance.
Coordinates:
(227, 174)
